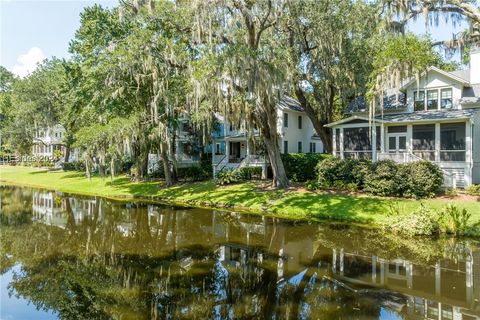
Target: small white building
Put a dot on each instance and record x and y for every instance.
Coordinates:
(435, 119)
(48, 140)
(232, 148)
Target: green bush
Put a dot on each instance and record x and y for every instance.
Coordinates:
(422, 222)
(423, 179)
(453, 220)
(333, 172)
(73, 166)
(228, 177)
(193, 173)
(473, 190)
(382, 180)
(250, 173)
(300, 167)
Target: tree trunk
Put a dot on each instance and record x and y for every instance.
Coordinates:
(67, 153)
(323, 132)
(266, 116)
(166, 164)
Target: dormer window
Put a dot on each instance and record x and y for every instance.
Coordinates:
(419, 100)
(446, 102)
(432, 99)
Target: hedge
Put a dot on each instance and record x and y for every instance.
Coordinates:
(300, 167)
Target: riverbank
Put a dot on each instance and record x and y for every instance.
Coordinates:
(295, 203)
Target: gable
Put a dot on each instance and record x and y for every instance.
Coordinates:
(435, 78)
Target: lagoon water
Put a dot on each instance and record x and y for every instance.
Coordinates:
(73, 257)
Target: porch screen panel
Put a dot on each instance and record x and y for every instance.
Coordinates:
(424, 141)
(452, 141)
(357, 143)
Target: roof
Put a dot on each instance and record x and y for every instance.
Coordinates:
(422, 116)
(391, 102)
(456, 75)
(430, 115)
(463, 74)
(287, 102)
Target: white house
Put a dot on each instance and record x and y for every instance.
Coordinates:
(47, 140)
(232, 147)
(435, 119)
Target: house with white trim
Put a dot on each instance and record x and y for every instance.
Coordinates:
(48, 140)
(234, 146)
(435, 118)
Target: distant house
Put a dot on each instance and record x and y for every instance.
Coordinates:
(48, 140)
(232, 148)
(435, 119)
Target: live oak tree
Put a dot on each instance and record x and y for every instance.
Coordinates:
(244, 66)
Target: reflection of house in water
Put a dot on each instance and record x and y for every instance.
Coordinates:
(46, 210)
(50, 209)
(449, 289)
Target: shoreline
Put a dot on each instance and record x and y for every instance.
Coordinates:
(248, 197)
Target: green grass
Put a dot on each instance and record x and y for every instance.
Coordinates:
(248, 197)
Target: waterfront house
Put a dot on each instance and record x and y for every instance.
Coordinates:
(233, 147)
(47, 141)
(435, 118)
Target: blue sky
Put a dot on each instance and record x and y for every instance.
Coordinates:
(31, 30)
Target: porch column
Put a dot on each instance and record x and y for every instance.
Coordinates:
(374, 142)
(227, 148)
(334, 141)
(468, 152)
(382, 138)
(248, 147)
(341, 144)
(409, 138)
(437, 142)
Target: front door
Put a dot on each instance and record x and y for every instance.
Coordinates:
(234, 151)
(397, 143)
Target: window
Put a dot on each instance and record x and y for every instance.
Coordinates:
(285, 120)
(299, 122)
(299, 146)
(313, 147)
(446, 102)
(337, 141)
(397, 129)
(419, 100)
(285, 147)
(432, 99)
(424, 141)
(452, 141)
(357, 143)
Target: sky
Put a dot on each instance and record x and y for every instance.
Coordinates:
(32, 30)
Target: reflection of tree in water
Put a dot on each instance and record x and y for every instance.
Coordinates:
(122, 261)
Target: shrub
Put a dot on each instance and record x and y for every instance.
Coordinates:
(228, 177)
(453, 220)
(424, 179)
(473, 190)
(193, 173)
(335, 171)
(451, 192)
(382, 180)
(422, 222)
(249, 173)
(73, 166)
(300, 167)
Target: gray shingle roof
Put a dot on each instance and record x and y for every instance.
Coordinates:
(431, 115)
(390, 103)
(290, 103)
(463, 74)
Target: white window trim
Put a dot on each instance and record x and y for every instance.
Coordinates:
(439, 98)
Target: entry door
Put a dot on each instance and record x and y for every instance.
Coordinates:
(397, 143)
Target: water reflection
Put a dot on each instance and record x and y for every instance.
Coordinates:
(92, 258)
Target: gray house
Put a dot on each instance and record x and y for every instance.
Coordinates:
(436, 118)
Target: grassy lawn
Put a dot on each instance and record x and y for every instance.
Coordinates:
(293, 204)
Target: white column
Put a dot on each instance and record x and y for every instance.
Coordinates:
(437, 142)
(438, 280)
(409, 138)
(468, 152)
(341, 143)
(334, 140)
(227, 148)
(374, 143)
(382, 138)
(374, 269)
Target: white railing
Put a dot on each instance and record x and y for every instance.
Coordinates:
(217, 167)
(252, 159)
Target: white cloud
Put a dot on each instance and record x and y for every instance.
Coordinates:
(27, 63)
